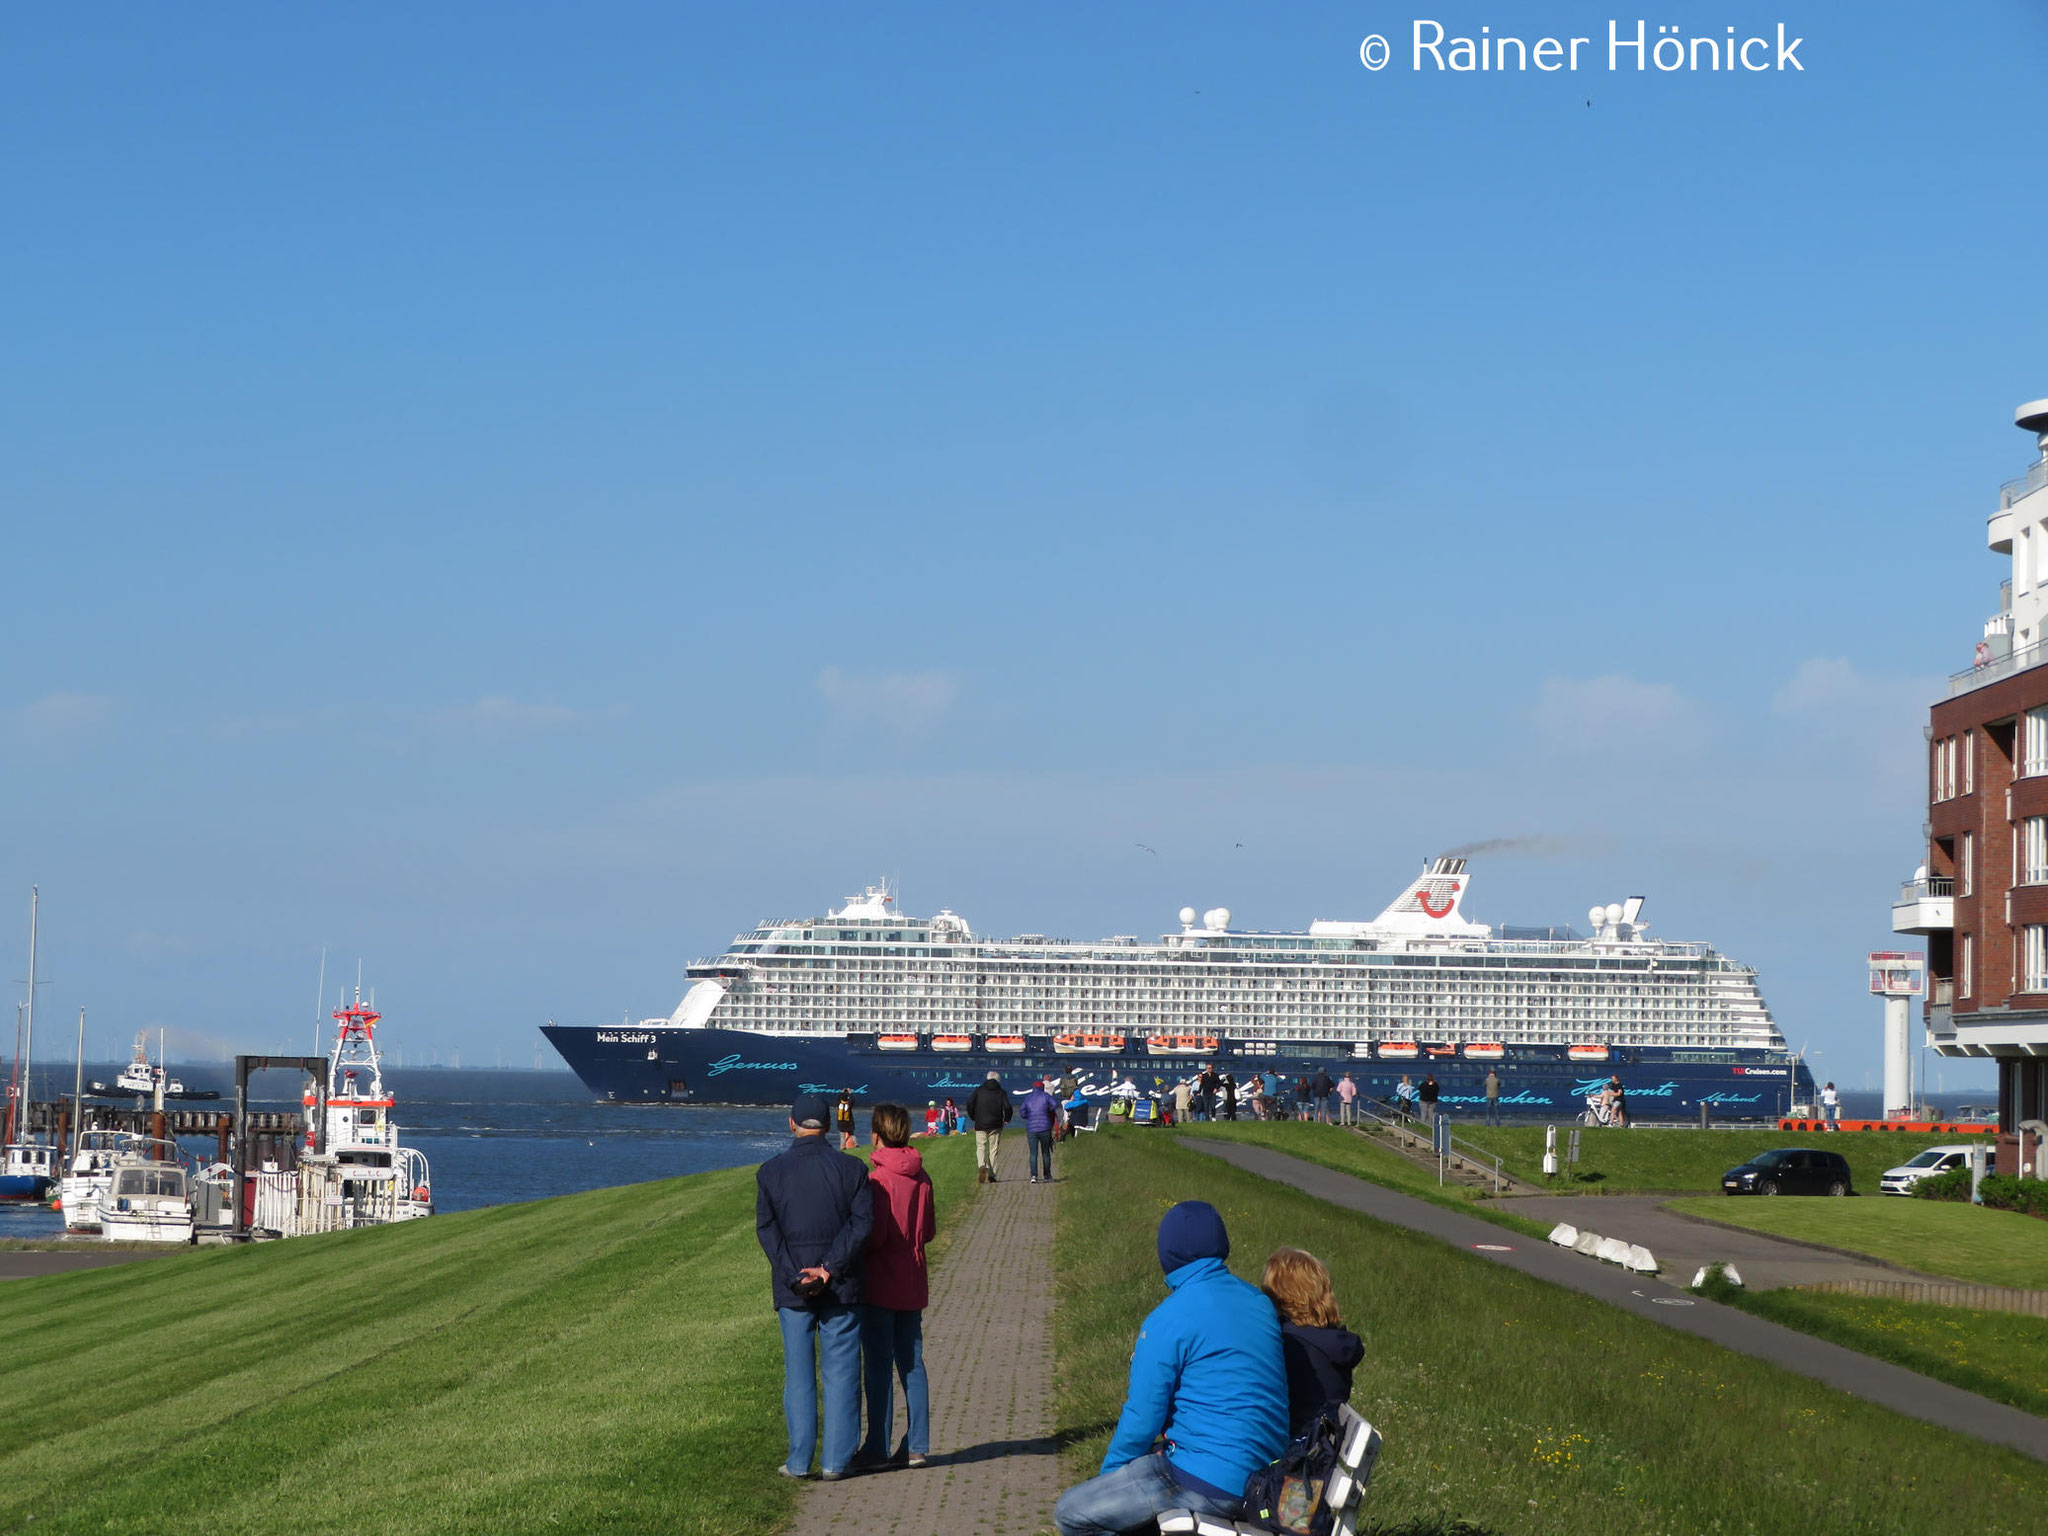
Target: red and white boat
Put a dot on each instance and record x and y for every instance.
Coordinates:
(1589, 1053)
(897, 1042)
(1004, 1042)
(1485, 1050)
(1399, 1050)
(952, 1042)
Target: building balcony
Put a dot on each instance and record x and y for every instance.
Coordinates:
(1996, 668)
(1925, 906)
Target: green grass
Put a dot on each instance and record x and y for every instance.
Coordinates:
(2001, 1355)
(1345, 1152)
(601, 1362)
(1511, 1405)
(1964, 1242)
(1644, 1160)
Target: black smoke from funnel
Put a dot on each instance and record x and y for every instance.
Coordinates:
(1537, 845)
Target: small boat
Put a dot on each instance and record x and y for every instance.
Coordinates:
(1399, 1050)
(897, 1042)
(952, 1042)
(91, 1172)
(1180, 1045)
(1441, 1050)
(28, 1172)
(147, 1202)
(1485, 1050)
(1588, 1053)
(1005, 1042)
(1090, 1044)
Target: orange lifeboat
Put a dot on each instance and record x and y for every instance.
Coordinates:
(952, 1043)
(1087, 1044)
(1005, 1042)
(1485, 1050)
(1181, 1045)
(1399, 1050)
(897, 1042)
(1589, 1053)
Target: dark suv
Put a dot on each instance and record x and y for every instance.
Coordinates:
(1789, 1171)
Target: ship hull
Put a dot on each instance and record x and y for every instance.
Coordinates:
(669, 1065)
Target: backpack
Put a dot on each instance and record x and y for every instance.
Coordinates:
(1287, 1495)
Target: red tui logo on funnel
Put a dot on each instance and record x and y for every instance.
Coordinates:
(1450, 901)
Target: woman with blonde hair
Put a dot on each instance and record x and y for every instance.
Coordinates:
(1319, 1351)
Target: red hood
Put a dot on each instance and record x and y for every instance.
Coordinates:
(906, 1161)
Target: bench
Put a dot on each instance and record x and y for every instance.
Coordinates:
(1358, 1451)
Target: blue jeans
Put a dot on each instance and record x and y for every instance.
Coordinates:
(836, 1328)
(1131, 1498)
(891, 1345)
(1039, 1144)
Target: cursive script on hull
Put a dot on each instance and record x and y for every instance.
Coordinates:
(733, 1063)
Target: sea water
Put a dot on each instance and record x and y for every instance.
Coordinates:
(492, 1137)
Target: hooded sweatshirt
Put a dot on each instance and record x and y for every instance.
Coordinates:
(904, 1222)
(1206, 1371)
(1319, 1366)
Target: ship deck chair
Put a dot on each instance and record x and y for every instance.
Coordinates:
(1357, 1453)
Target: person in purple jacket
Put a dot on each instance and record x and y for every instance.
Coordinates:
(1040, 1112)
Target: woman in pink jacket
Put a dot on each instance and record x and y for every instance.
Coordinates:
(894, 1289)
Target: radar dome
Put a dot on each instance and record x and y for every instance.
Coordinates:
(1614, 912)
(1187, 917)
(1597, 916)
(1216, 919)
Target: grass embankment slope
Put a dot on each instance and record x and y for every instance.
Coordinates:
(600, 1362)
(1345, 1151)
(1510, 1404)
(1649, 1160)
(1936, 1237)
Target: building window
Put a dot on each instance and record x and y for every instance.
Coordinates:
(2035, 950)
(1944, 768)
(2034, 850)
(1965, 971)
(1966, 882)
(1969, 762)
(2034, 743)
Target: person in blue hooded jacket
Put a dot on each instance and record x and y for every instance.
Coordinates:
(1207, 1404)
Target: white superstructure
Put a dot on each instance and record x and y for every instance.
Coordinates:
(1419, 971)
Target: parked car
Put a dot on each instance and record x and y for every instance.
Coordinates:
(1790, 1171)
(1900, 1180)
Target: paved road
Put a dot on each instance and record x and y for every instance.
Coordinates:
(1904, 1391)
(995, 1468)
(25, 1264)
(1683, 1244)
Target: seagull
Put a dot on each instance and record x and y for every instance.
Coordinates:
(1240, 845)
(1153, 851)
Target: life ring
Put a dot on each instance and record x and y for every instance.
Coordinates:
(422, 1195)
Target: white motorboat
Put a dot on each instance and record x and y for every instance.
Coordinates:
(91, 1173)
(147, 1202)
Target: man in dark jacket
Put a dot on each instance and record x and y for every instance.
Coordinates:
(989, 1108)
(812, 1212)
(1321, 1089)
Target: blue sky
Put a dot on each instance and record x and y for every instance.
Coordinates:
(517, 494)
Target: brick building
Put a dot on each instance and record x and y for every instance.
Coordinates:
(1981, 899)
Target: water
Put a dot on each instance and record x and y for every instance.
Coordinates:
(496, 1137)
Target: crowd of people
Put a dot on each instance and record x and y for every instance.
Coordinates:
(1222, 1376)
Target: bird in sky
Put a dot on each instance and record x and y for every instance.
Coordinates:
(1149, 849)
(1240, 845)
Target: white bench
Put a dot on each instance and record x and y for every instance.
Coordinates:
(1357, 1453)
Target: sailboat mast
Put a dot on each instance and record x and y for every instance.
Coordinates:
(28, 1048)
(78, 1090)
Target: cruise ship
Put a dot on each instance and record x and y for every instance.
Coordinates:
(891, 1006)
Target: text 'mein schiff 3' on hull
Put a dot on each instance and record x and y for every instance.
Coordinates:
(913, 1008)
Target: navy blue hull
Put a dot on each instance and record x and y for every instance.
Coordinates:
(663, 1065)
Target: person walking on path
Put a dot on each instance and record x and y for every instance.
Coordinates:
(989, 1108)
(1319, 1351)
(1040, 1113)
(897, 1289)
(847, 1139)
(1831, 1107)
(1492, 1097)
(1321, 1089)
(813, 1210)
(1428, 1096)
(1207, 1375)
(1347, 1095)
(1229, 1096)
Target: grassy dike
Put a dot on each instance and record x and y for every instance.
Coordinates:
(601, 1362)
(1510, 1405)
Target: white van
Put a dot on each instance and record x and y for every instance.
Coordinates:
(1900, 1180)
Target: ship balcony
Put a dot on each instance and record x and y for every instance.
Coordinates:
(1925, 906)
